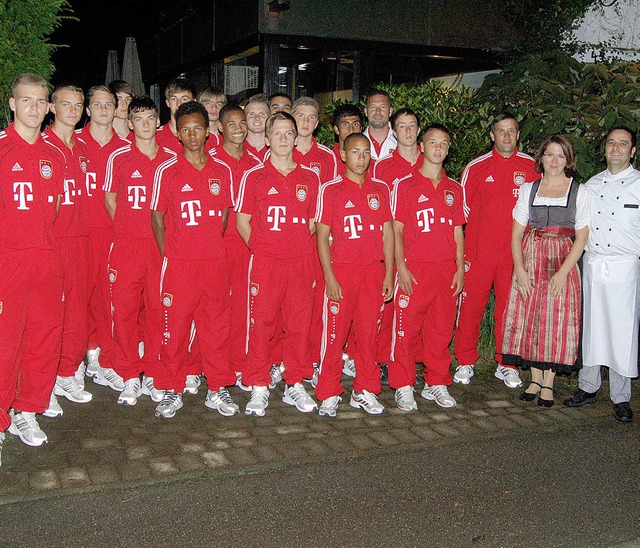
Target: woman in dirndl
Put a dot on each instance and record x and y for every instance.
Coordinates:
(542, 321)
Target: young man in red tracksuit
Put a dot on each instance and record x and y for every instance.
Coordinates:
(134, 261)
(101, 140)
(429, 248)
(177, 92)
(190, 203)
(402, 161)
(31, 185)
(72, 233)
(233, 131)
(347, 119)
(490, 183)
(213, 99)
(358, 269)
(257, 111)
(322, 160)
(275, 208)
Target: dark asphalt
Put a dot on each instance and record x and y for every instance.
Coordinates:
(562, 486)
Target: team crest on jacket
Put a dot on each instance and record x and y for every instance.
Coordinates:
(315, 166)
(334, 307)
(374, 201)
(214, 186)
(301, 192)
(255, 288)
(403, 301)
(519, 177)
(449, 197)
(113, 275)
(167, 299)
(83, 164)
(46, 169)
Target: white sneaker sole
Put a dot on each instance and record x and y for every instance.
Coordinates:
(171, 415)
(213, 406)
(290, 401)
(461, 381)
(431, 397)
(329, 413)
(254, 413)
(127, 403)
(53, 414)
(407, 409)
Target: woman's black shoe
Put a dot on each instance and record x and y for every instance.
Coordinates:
(530, 396)
(545, 403)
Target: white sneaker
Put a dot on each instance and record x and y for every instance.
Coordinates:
(26, 427)
(171, 402)
(148, 389)
(240, 384)
(439, 394)
(54, 410)
(108, 377)
(259, 401)
(329, 407)
(405, 399)
(192, 384)
(93, 362)
(221, 401)
(367, 401)
(509, 375)
(276, 374)
(129, 396)
(463, 374)
(70, 389)
(349, 367)
(296, 395)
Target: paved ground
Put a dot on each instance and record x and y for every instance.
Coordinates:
(101, 444)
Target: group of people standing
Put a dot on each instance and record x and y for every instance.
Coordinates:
(229, 244)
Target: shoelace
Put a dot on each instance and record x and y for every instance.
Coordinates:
(297, 393)
(369, 397)
(404, 393)
(224, 396)
(260, 397)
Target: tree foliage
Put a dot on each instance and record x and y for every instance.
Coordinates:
(25, 27)
(554, 93)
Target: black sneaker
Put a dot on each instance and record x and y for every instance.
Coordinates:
(580, 398)
(622, 412)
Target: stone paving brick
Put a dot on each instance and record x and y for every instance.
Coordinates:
(419, 418)
(241, 456)
(440, 417)
(524, 421)
(163, 465)
(466, 427)
(316, 447)
(218, 445)
(100, 474)
(139, 452)
(293, 429)
(266, 453)
(192, 448)
(362, 441)
(576, 413)
(404, 435)
(425, 432)
(556, 414)
(385, 439)
(504, 422)
(215, 459)
(74, 477)
(99, 443)
(134, 470)
(478, 413)
(499, 403)
(374, 421)
(446, 429)
(485, 424)
(44, 480)
(340, 445)
(399, 421)
(246, 442)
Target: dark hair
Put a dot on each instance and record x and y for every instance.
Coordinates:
(120, 86)
(567, 149)
(228, 109)
(503, 116)
(180, 84)
(353, 136)
(439, 127)
(377, 91)
(344, 111)
(275, 95)
(138, 104)
(403, 112)
(628, 130)
(279, 116)
(191, 107)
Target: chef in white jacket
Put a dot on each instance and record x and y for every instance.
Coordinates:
(611, 278)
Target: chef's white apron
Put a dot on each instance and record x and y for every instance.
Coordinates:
(610, 312)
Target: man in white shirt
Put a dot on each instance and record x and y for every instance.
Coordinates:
(378, 111)
(611, 278)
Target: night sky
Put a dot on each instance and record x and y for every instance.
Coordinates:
(103, 26)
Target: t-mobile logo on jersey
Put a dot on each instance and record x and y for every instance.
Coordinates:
(276, 215)
(69, 191)
(137, 195)
(191, 210)
(22, 195)
(353, 225)
(516, 192)
(425, 218)
(90, 182)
